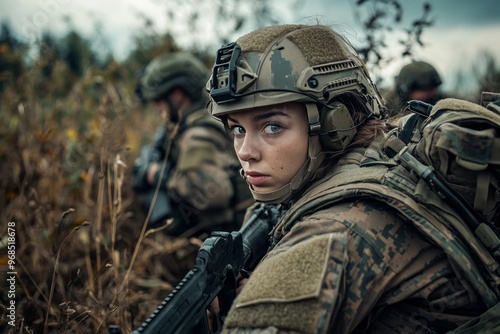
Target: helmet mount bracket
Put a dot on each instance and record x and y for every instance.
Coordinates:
(224, 73)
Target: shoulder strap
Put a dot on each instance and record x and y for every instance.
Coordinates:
(369, 183)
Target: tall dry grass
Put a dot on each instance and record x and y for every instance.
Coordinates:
(83, 260)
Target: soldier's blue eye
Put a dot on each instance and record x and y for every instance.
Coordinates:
(273, 128)
(237, 130)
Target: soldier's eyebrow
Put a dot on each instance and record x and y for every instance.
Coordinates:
(262, 116)
(229, 118)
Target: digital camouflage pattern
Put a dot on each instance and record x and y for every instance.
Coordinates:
(379, 273)
(298, 67)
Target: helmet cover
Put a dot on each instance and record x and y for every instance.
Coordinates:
(417, 75)
(166, 72)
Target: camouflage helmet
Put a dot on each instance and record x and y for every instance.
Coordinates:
(417, 75)
(169, 71)
(287, 63)
(310, 64)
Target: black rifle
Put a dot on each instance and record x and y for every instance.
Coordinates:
(220, 259)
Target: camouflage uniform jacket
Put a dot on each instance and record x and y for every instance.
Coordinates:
(357, 263)
(204, 170)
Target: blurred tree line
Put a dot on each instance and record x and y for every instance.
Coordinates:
(72, 54)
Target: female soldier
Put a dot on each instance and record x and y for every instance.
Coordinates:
(346, 257)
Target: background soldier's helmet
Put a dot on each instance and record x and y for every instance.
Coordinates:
(167, 72)
(417, 75)
(296, 63)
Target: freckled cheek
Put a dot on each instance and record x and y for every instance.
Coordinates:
(284, 158)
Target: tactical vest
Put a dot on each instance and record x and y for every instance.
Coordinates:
(411, 197)
(414, 200)
(474, 249)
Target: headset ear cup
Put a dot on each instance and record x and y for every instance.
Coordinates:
(337, 128)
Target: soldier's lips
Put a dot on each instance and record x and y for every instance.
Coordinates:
(256, 179)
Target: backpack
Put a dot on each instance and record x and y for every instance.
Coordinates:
(440, 171)
(459, 143)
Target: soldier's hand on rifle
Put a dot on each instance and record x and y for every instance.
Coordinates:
(241, 280)
(147, 169)
(145, 172)
(153, 169)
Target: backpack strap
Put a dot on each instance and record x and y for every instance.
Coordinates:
(421, 111)
(439, 193)
(488, 322)
(438, 224)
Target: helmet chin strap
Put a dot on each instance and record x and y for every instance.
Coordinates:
(315, 157)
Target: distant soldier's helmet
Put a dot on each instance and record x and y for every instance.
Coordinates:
(166, 72)
(296, 63)
(417, 75)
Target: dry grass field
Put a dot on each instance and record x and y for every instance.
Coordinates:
(67, 146)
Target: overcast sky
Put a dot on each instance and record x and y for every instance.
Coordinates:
(462, 30)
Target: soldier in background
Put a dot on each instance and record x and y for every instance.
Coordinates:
(418, 80)
(191, 160)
